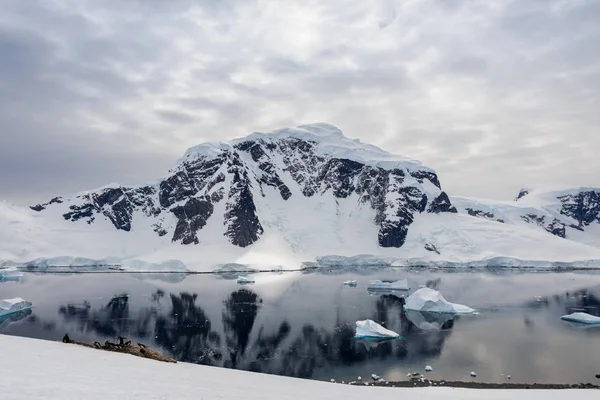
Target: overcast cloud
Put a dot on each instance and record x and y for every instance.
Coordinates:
(494, 95)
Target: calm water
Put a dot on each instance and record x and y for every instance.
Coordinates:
(303, 324)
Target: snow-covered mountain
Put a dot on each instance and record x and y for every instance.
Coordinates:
(571, 213)
(280, 198)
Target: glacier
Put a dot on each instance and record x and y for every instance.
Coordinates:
(280, 200)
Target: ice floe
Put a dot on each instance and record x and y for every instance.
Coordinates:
(432, 301)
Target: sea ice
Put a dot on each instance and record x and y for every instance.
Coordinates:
(432, 301)
(371, 329)
(242, 280)
(11, 306)
(401, 284)
(581, 318)
(350, 283)
(10, 274)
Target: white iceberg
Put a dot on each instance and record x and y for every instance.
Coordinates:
(371, 329)
(581, 318)
(350, 283)
(242, 280)
(432, 301)
(11, 306)
(401, 284)
(10, 273)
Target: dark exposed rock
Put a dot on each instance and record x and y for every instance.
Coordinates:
(583, 207)
(78, 212)
(554, 227)
(431, 247)
(338, 174)
(522, 193)
(421, 175)
(483, 214)
(441, 204)
(41, 207)
(242, 225)
(557, 228)
(191, 218)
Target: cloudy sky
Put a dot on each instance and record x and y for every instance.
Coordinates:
(493, 94)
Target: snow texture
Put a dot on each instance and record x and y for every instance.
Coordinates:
(432, 301)
(581, 318)
(57, 371)
(369, 329)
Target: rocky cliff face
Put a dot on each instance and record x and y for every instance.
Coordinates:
(223, 181)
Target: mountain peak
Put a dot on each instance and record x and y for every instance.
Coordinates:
(326, 139)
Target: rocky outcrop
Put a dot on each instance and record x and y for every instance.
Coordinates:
(583, 207)
(483, 214)
(230, 177)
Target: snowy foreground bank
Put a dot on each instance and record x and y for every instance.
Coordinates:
(35, 369)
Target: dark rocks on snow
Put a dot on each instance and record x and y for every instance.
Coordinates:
(191, 217)
(441, 204)
(41, 207)
(483, 214)
(522, 193)
(431, 247)
(193, 188)
(583, 207)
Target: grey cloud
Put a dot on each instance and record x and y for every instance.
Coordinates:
(94, 91)
(175, 117)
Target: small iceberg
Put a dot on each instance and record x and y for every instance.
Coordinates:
(369, 329)
(10, 274)
(581, 318)
(401, 284)
(12, 306)
(432, 301)
(244, 280)
(350, 283)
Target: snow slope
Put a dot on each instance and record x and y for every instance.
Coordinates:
(276, 200)
(572, 213)
(50, 370)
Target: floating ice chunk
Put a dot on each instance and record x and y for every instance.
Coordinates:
(350, 283)
(401, 284)
(428, 368)
(432, 301)
(11, 306)
(243, 280)
(581, 318)
(371, 329)
(10, 274)
(375, 377)
(473, 374)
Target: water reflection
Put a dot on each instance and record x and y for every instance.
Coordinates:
(305, 332)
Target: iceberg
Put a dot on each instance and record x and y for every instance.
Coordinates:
(401, 284)
(350, 283)
(243, 280)
(432, 301)
(10, 274)
(371, 329)
(582, 318)
(11, 306)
